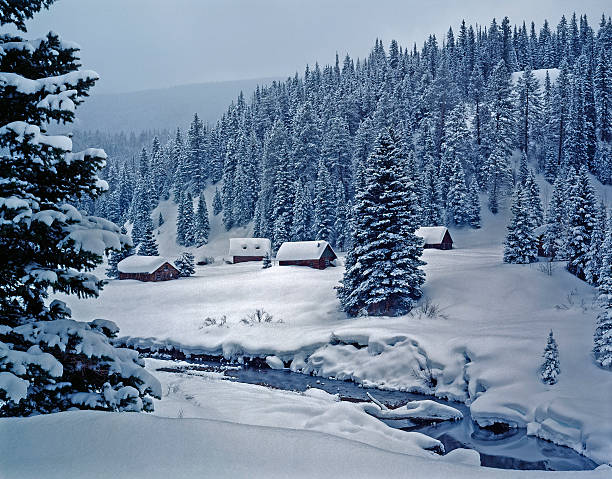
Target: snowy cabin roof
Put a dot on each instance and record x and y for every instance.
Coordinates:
(431, 234)
(249, 246)
(301, 250)
(141, 264)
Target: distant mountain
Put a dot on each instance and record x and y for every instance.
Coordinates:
(160, 109)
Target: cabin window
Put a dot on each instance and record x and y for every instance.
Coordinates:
(157, 276)
(256, 246)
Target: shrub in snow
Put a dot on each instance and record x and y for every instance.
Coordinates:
(267, 262)
(49, 362)
(185, 264)
(550, 368)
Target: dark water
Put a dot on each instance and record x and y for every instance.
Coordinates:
(502, 448)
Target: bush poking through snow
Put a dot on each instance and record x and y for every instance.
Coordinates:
(550, 368)
(210, 321)
(428, 309)
(547, 267)
(267, 262)
(185, 263)
(259, 316)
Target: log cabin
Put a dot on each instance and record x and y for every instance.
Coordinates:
(242, 250)
(147, 268)
(437, 237)
(315, 254)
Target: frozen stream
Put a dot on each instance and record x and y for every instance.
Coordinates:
(504, 448)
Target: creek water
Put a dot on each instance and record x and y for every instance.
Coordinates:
(499, 446)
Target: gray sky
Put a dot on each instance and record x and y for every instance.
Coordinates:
(143, 44)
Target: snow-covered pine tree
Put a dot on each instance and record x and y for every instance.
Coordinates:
(202, 225)
(474, 203)
(603, 96)
(431, 209)
(185, 263)
(529, 108)
(602, 339)
(523, 170)
(532, 190)
(499, 134)
(217, 203)
(180, 219)
(457, 199)
(582, 216)
(550, 369)
(148, 245)
(520, 244)
(302, 213)
(118, 256)
(555, 234)
(324, 214)
(283, 204)
(188, 221)
(383, 275)
(595, 254)
(196, 151)
(48, 244)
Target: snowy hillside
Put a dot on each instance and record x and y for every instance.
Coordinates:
(483, 347)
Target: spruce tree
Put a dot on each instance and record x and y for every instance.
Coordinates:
(554, 240)
(202, 225)
(116, 257)
(49, 362)
(532, 190)
(302, 213)
(324, 205)
(474, 204)
(550, 370)
(383, 275)
(594, 260)
(582, 216)
(457, 203)
(185, 263)
(188, 221)
(148, 245)
(520, 244)
(602, 339)
(283, 204)
(529, 108)
(217, 203)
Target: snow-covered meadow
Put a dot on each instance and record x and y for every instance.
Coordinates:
(478, 336)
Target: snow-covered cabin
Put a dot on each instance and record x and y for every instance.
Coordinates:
(248, 249)
(435, 237)
(147, 268)
(316, 254)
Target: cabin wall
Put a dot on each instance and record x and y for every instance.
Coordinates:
(160, 274)
(312, 263)
(244, 259)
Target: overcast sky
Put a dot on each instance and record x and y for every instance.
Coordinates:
(143, 44)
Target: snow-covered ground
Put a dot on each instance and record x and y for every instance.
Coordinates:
(483, 347)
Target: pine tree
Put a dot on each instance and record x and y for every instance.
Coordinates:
(550, 370)
(217, 204)
(383, 275)
(202, 225)
(532, 191)
(324, 205)
(530, 105)
(431, 213)
(520, 244)
(302, 213)
(180, 219)
(595, 254)
(602, 339)
(283, 204)
(603, 96)
(43, 241)
(523, 172)
(582, 216)
(188, 225)
(185, 263)
(457, 203)
(148, 245)
(554, 240)
(499, 176)
(117, 256)
(474, 204)
(160, 220)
